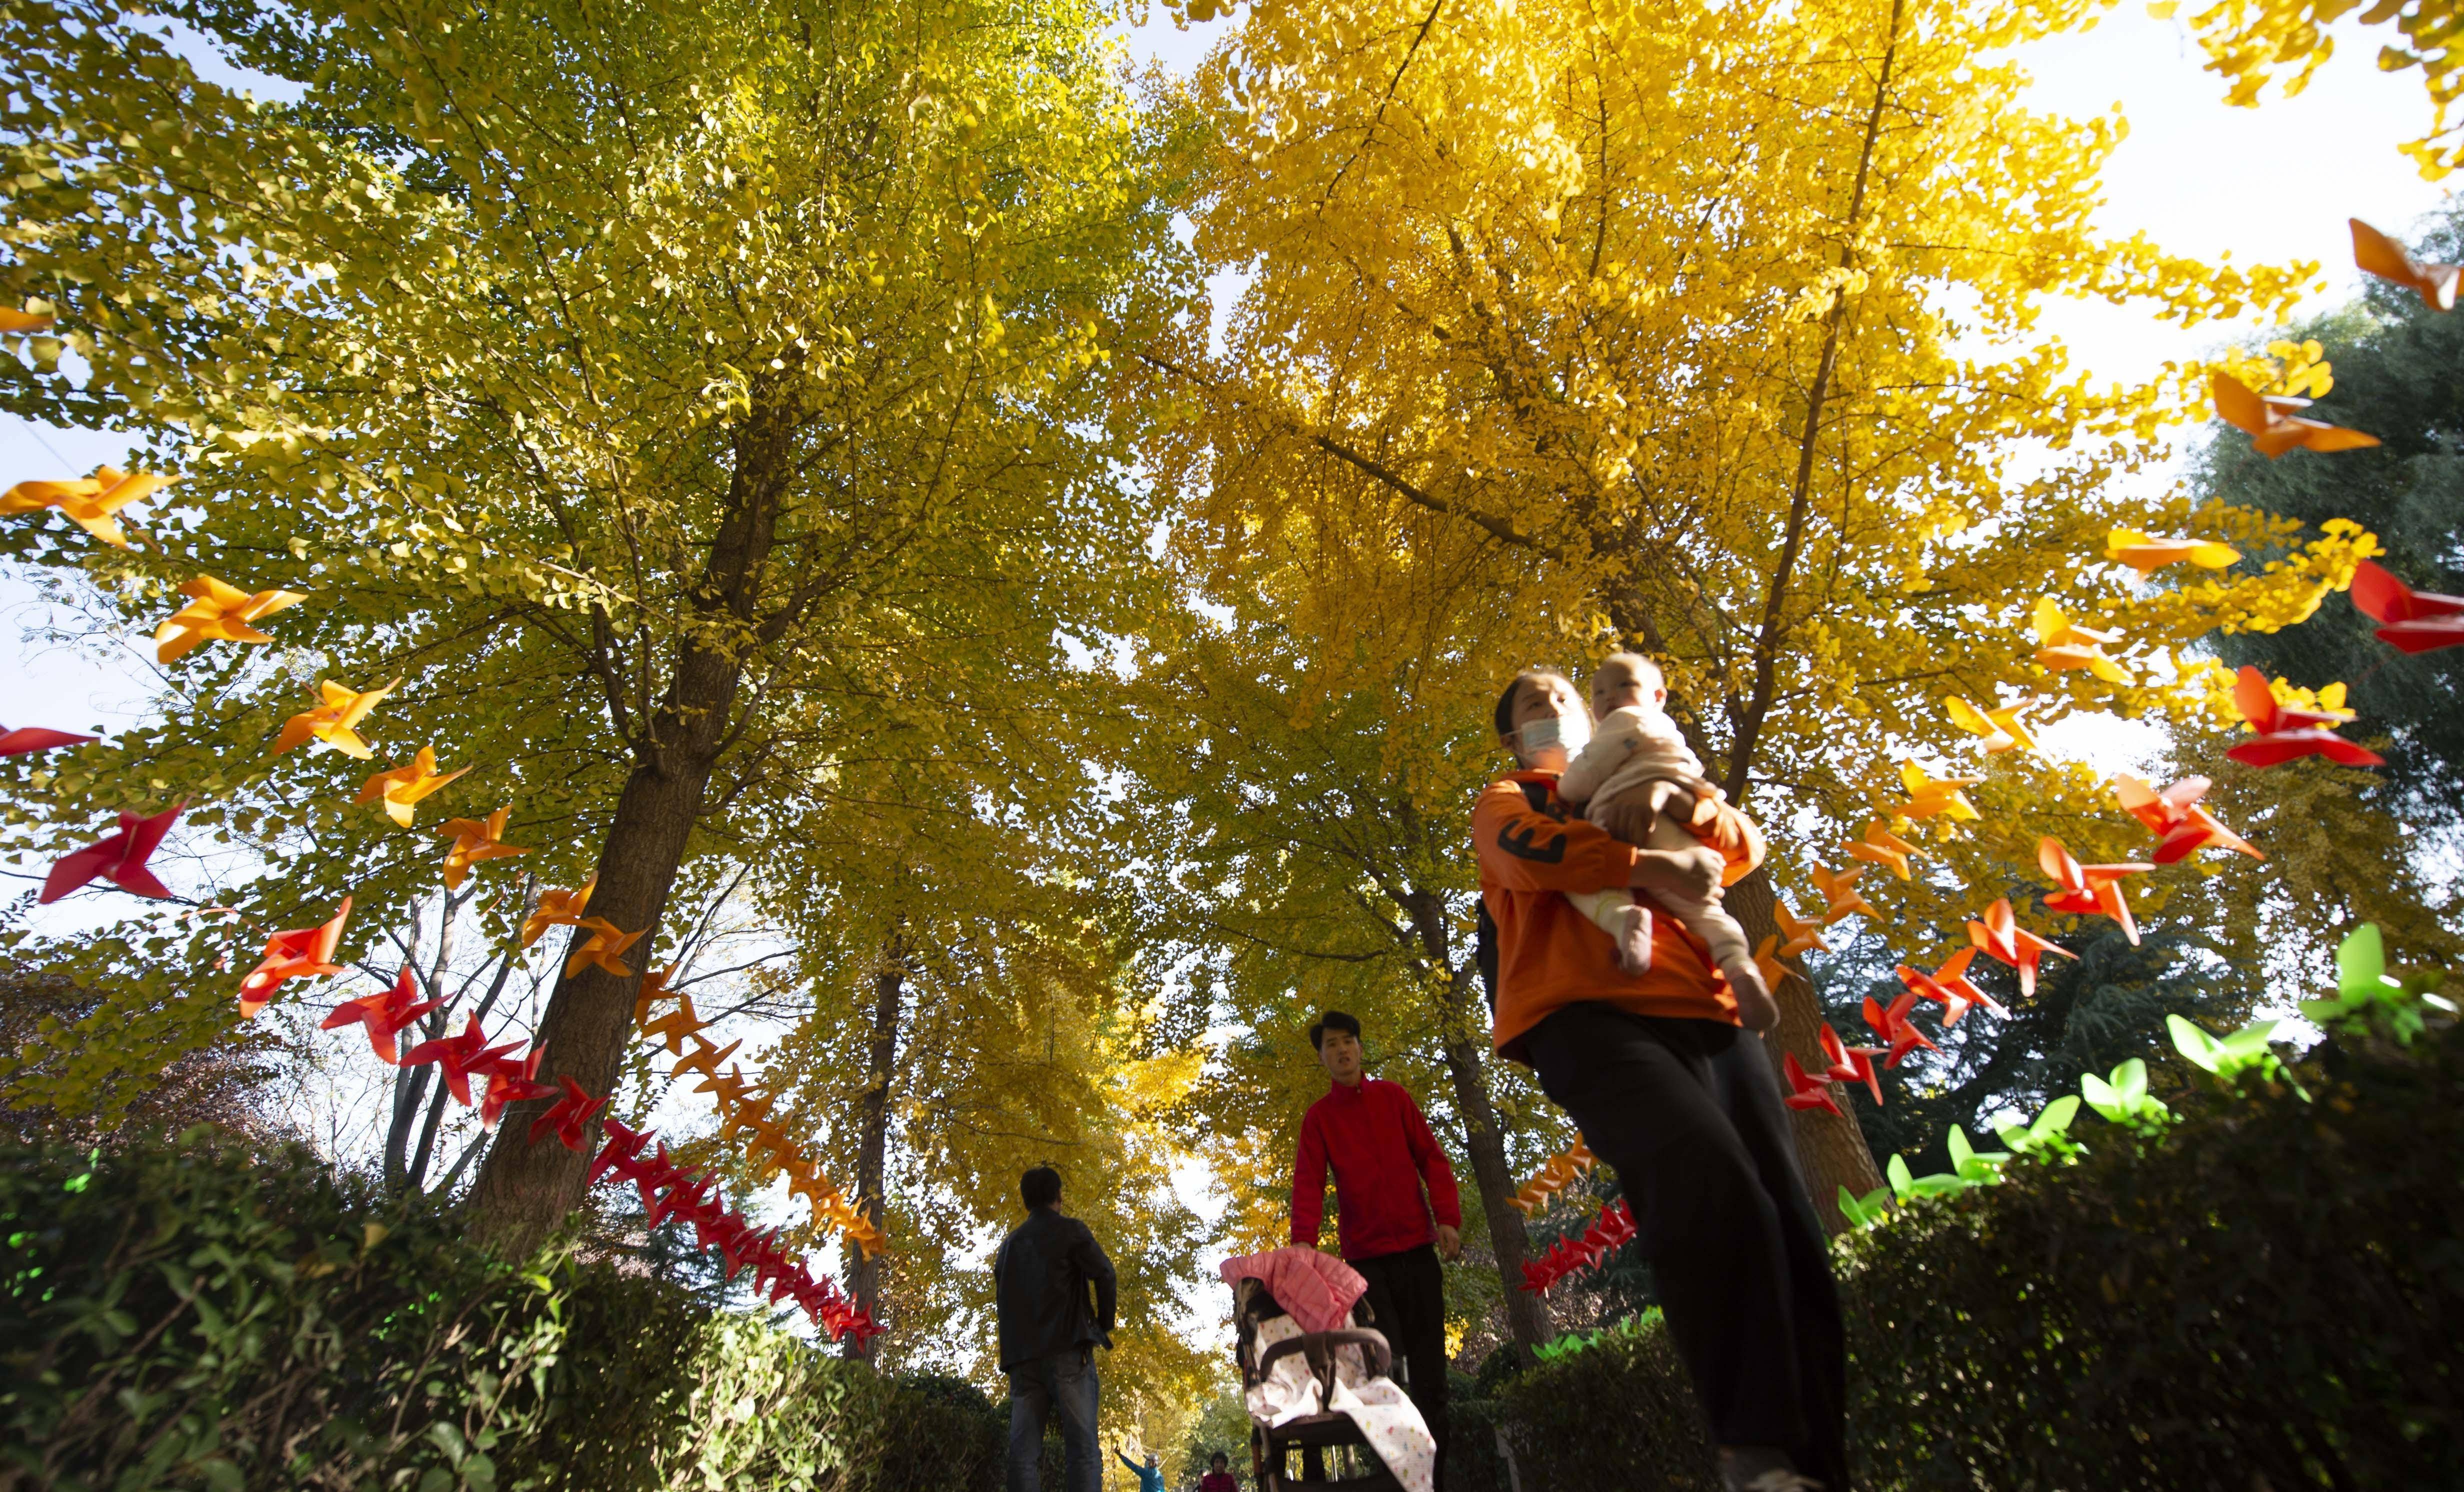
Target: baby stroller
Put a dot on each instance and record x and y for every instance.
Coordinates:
(1268, 1339)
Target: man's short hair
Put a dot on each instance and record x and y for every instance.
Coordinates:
(1332, 1020)
(1514, 687)
(1219, 1458)
(1040, 1187)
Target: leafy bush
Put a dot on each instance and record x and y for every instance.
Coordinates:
(196, 1314)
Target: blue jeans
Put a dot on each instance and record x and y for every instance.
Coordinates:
(1065, 1381)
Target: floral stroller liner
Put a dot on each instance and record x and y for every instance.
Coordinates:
(1322, 1392)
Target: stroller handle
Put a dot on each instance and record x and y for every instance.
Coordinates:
(1320, 1346)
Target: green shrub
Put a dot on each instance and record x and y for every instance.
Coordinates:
(194, 1314)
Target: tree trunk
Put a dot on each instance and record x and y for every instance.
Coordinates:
(1832, 1149)
(863, 1270)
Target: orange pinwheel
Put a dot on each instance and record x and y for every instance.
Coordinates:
(387, 1013)
(17, 323)
(92, 502)
(2064, 645)
(558, 909)
(1948, 985)
(476, 840)
(2088, 890)
(2376, 253)
(654, 991)
(730, 1088)
(1804, 1090)
(1840, 896)
(703, 1059)
(217, 611)
(1892, 1024)
(1558, 1173)
(1796, 936)
(2285, 733)
(2415, 622)
(2004, 727)
(2147, 554)
(1852, 1063)
(2003, 939)
(1767, 962)
(1928, 795)
(401, 788)
(600, 949)
(1882, 847)
(676, 1026)
(305, 953)
(335, 720)
(2182, 827)
(748, 1110)
(2272, 431)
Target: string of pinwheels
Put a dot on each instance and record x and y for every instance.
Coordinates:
(2283, 730)
(478, 1074)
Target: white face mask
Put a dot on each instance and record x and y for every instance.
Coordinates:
(1568, 733)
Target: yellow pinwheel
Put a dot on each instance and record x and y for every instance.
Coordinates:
(1796, 935)
(1882, 847)
(558, 909)
(217, 610)
(14, 322)
(335, 720)
(600, 949)
(1840, 894)
(2147, 554)
(400, 789)
(476, 840)
(2005, 727)
(1928, 795)
(2061, 646)
(93, 502)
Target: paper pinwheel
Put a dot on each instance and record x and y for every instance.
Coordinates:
(335, 720)
(2182, 827)
(34, 737)
(401, 788)
(600, 949)
(1928, 795)
(2271, 430)
(686, 1196)
(1846, 1063)
(1796, 936)
(2376, 253)
(2061, 646)
(1806, 1091)
(748, 1113)
(2416, 621)
(92, 502)
(558, 909)
(2004, 727)
(1892, 1024)
(2147, 553)
(387, 1013)
(622, 1154)
(119, 857)
(1840, 896)
(217, 611)
(676, 1026)
(17, 323)
(654, 991)
(2088, 890)
(730, 1088)
(305, 953)
(1554, 1175)
(704, 1059)
(2003, 939)
(1611, 1230)
(462, 1058)
(1948, 985)
(474, 840)
(510, 1083)
(1767, 962)
(2285, 733)
(1882, 847)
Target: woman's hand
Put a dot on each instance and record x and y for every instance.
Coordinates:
(1686, 874)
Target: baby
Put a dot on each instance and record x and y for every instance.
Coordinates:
(1637, 780)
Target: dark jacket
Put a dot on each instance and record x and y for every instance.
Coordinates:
(1039, 1280)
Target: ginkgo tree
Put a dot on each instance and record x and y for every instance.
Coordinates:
(1717, 327)
(657, 394)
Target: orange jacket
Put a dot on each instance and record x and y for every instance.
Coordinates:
(1531, 849)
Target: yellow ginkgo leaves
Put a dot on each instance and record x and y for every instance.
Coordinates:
(401, 788)
(217, 611)
(2062, 645)
(93, 502)
(335, 720)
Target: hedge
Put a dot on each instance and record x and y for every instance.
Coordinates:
(197, 1314)
(2268, 1292)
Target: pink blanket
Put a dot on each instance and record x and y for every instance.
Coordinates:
(1318, 1290)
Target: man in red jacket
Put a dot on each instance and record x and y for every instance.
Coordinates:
(1381, 1149)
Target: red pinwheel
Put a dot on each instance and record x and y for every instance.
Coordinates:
(301, 954)
(569, 1117)
(621, 1155)
(387, 1013)
(2003, 939)
(1950, 985)
(1804, 1090)
(654, 1176)
(2181, 826)
(2285, 733)
(1893, 1026)
(510, 1083)
(1852, 1063)
(686, 1196)
(2417, 622)
(463, 1057)
(119, 857)
(2088, 890)
(34, 737)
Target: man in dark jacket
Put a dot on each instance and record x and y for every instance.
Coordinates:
(1373, 1138)
(1050, 1332)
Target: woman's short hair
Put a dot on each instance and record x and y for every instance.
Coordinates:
(1514, 687)
(1040, 1187)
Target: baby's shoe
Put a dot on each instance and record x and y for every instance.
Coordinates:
(1757, 1010)
(1633, 938)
